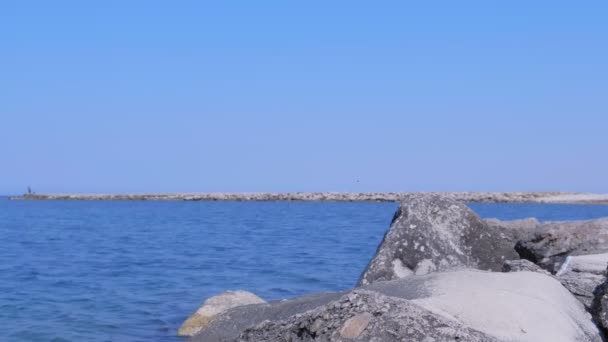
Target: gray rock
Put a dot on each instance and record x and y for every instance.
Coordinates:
(228, 325)
(365, 316)
(443, 306)
(583, 276)
(582, 285)
(433, 232)
(560, 247)
(552, 242)
(599, 306)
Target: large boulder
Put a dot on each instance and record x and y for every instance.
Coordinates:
(519, 306)
(433, 233)
(466, 305)
(552, 242)
(365, 316)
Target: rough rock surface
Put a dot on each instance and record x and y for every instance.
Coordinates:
(466, 305)
(582, 285)
(228, 325)
(599, 306)
(593, 263)
(365, 316)
(583, 275)
(433, 232)
(213, 307)
(552, 242)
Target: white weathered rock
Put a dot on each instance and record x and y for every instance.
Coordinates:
(519, 306)
(592, 263)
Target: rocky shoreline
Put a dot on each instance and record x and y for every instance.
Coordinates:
(484, 197)
(441, 273)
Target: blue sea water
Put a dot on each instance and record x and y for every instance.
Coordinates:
(134, 270)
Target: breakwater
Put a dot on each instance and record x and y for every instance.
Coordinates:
(483, 197)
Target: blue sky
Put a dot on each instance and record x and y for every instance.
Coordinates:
(136, 96)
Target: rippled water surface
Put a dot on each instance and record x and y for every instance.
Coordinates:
(134, 270)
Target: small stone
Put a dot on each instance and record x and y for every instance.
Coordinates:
(316, 325)
(355, 325)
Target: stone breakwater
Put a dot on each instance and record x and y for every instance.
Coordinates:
(487, 197)
(441, 273)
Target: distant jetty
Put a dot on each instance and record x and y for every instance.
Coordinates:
(482, 197)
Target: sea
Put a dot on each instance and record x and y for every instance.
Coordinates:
(134, 270)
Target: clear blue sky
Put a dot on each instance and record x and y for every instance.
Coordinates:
(130, 96)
